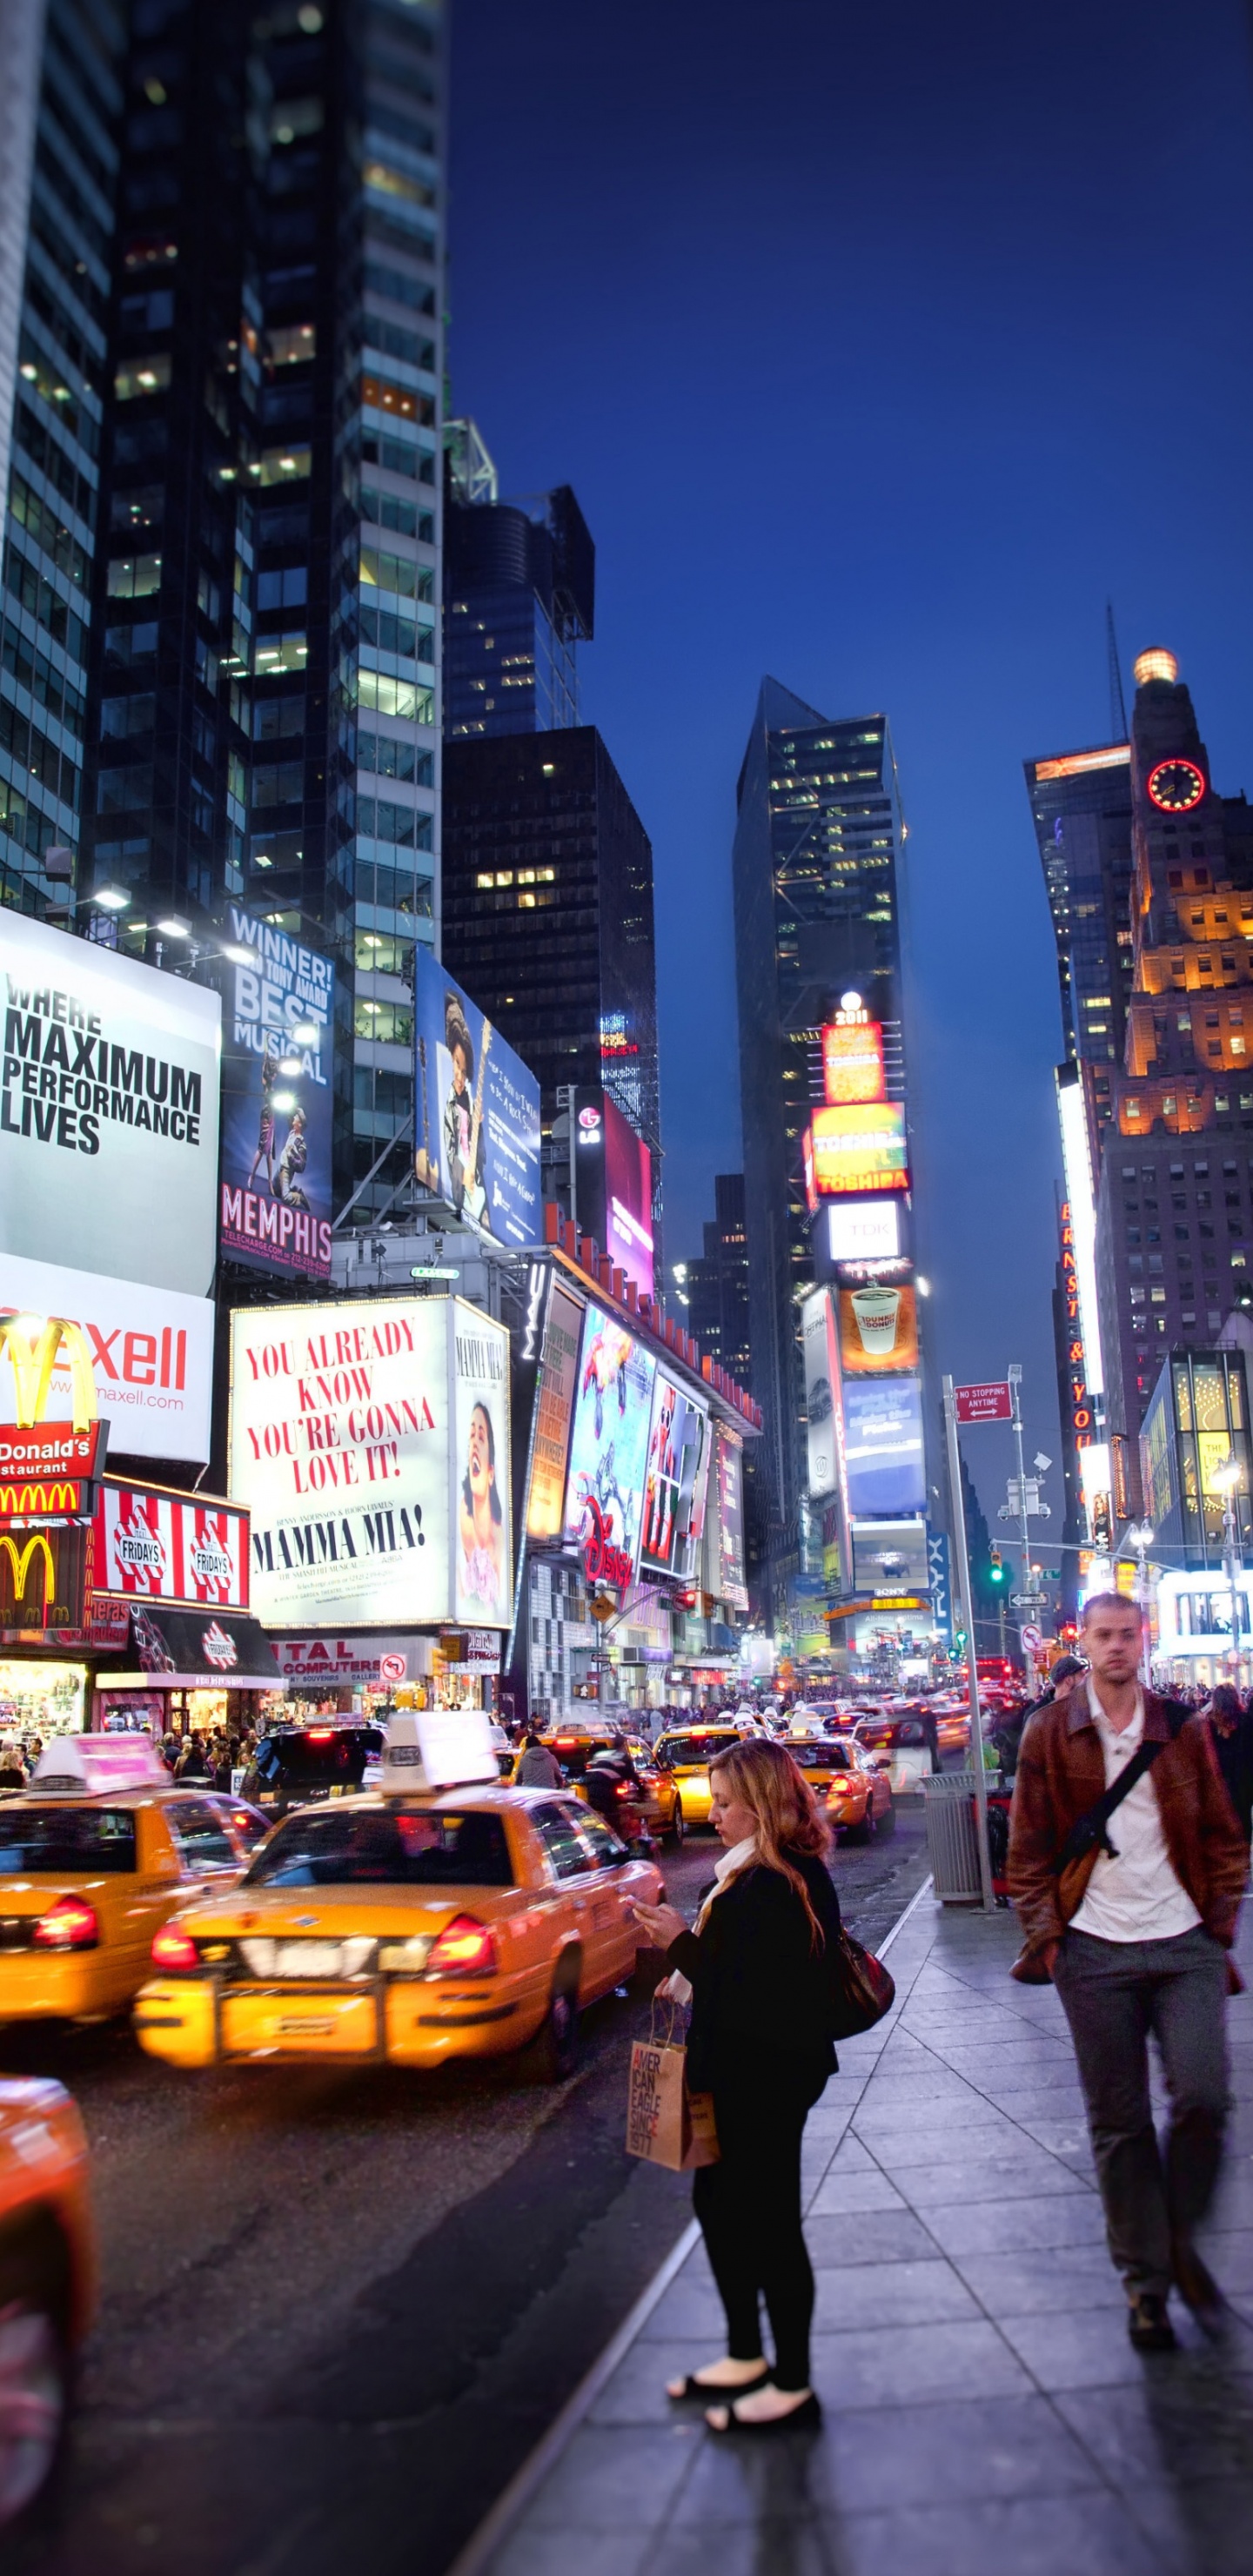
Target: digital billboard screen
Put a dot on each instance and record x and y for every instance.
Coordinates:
(614, 1186)
(821, 1392)
(883, 1447)
(369, 1441)
(724, 1523)
(865, 1230)
(278, 1022)
(859, 1149)
(852, 1060)
(878, 1330)
(609, 1449)
(674, 1493)
(554, 1403)
(476, 1112)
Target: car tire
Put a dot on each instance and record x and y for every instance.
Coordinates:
(554, 2051)
(677, 1826)
(864, 1832)
(36, 2377)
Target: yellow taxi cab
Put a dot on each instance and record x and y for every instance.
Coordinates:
(434, 1917)
(94, 1857)
(684, 1754)
(47, 2279)
(657, 1801)
(851, 1784)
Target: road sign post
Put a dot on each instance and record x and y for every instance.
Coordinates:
(962, 1560)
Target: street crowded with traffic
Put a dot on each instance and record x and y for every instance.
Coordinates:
(626, 1290)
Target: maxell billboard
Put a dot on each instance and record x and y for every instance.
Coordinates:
(278, 1014)
(109, 1084)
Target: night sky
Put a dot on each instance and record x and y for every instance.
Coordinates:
(882, 346)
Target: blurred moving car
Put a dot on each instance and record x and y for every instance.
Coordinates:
(299, 1766)
(684, 1756)
(850, 1784)
(47, 2279)
(908, 1745)
(464, 1922)
(658, 1804)
(94, 1857)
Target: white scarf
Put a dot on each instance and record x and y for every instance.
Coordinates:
(741, 1856)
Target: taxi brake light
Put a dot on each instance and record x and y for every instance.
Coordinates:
(319, 1734)
(174, 1949)
(464, 1946)
(70, 1924)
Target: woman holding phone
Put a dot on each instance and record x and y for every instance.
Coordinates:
(759, 1968)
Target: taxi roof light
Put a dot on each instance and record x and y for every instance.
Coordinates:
(70, 1924)
(81, 1764)
(465, 1946)
(436, 1748)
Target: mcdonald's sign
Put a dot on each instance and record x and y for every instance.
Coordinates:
(45, 1579)
(34, 1344)
(39, 1499)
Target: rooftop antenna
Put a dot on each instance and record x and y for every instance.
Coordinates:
(1117, 702)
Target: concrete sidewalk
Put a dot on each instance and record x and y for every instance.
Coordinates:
(983, 2407)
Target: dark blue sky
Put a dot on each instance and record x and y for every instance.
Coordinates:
(881, 345)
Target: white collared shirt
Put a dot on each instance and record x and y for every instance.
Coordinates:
(1137, 1896)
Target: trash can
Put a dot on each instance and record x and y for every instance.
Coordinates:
(952, 1844)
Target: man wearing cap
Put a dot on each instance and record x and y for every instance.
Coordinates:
(1126, 1867)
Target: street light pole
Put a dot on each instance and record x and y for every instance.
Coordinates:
(968, 1617)
(1141, 1537)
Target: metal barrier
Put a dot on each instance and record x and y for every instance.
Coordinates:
(952, 1847)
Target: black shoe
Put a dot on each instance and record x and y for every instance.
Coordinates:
(695, 2386)
(1197, 2286)
(1149, 2325)
(802, 2418)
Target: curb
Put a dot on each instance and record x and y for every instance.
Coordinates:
(511, 2503)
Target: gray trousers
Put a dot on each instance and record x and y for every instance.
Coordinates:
(1114, 1993)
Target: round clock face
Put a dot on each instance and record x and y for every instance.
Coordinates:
(1176, 785)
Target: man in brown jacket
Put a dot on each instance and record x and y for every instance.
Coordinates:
(1132, 1915)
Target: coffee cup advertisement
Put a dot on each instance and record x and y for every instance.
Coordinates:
(878, 1329)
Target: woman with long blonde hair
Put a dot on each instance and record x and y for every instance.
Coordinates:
(759, 1965)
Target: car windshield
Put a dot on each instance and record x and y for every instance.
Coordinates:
(318, 1753)
(35, 1841)
(575, 1752)
(678, 1749)
(822, 1757)
(429, 1848)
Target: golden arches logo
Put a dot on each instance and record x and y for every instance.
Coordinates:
(21, 1561)
(33, 1343)
(18, 1502)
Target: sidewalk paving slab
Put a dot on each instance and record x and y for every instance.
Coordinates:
(983, 2408)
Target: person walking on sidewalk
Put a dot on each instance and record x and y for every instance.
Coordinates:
(1126, 1867)
(759, 1968)
(1232, 1729)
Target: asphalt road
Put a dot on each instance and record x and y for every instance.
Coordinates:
(339, 2309)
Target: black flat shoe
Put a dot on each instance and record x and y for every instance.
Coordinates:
(1149, 2326)
(1198, 2288)
(694, 2386)
(802, 2418)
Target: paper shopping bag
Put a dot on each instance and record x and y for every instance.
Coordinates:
(666, 2124)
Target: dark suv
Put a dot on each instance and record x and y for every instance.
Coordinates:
(298, 1766)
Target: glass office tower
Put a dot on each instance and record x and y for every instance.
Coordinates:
(817, 914)
(520, 594)
(60, 99)
(265, 664)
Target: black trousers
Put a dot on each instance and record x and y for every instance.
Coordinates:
(749, 2208)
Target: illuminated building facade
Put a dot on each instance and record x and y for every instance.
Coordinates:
(548, 917)
(60, 110)
(1175, 1204)
(817, 897)
(1081, 810)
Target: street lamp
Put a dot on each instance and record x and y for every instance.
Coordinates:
(1141, 1535)
(1226, 1479)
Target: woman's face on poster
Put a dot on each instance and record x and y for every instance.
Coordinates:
(479, 1455)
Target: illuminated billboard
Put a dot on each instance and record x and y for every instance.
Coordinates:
(614, 1186)
(864, 1230)
(878, 1330)
(883, 1447)
(725, 1575)
(278, 1019)
(476, 1112)
(859, 1149)
(609, 1449)
(674, 1493)
(852, 1059)
(821, 1392)
(165, 1547)
(369, 1441)
(558, 1335)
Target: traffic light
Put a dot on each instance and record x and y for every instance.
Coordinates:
(995, 1567)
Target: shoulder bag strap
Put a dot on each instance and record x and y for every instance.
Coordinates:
(1091, 1829)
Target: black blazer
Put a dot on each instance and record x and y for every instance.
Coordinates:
(758, 1988)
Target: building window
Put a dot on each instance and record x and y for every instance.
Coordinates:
(137, 376)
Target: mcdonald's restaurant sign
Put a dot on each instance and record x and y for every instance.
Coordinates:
(49, 1471)
(45, 1579)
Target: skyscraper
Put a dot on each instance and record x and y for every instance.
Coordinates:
(264, 665)
(1174, 1234)
(60, 99)
(1081, 809)
(714, 1288)
(548, 915)
(520, 598)
(817, 927)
